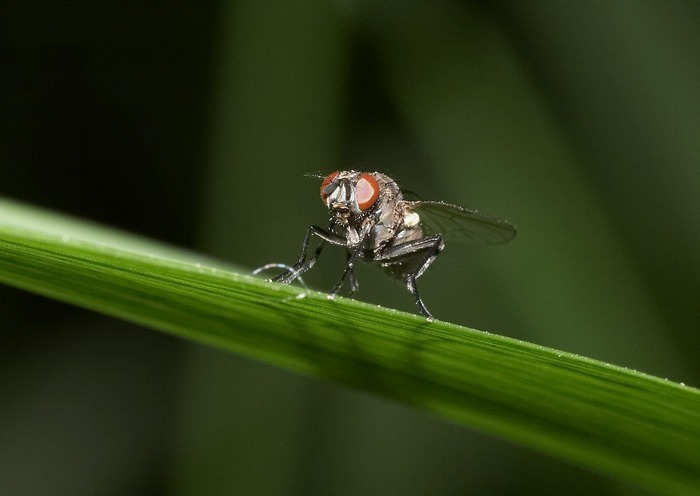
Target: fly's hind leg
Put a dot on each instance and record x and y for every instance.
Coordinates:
(411, 284)
(409, 260)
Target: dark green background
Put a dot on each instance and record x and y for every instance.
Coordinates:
(194, 123)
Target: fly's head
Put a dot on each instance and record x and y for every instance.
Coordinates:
(350, 196)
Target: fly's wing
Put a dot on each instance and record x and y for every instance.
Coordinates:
(461, 224)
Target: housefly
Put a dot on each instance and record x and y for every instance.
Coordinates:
(370, 218)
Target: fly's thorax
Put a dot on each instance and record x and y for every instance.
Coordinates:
(388, 215)
(406, 225)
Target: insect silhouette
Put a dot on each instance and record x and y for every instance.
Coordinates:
(370, 218)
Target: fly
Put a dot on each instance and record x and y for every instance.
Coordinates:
(371, 220)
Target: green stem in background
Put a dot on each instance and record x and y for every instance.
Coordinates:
(630, 425)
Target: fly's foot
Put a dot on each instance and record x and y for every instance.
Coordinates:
(290, 274)
(286, 277)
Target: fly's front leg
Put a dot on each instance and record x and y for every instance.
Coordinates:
(302, 264)
(409, 260)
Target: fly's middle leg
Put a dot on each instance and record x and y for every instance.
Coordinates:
(349, 272)
(354, 286)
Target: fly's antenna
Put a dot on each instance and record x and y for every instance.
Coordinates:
(315, 175)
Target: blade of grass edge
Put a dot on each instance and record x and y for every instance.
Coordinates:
(630, 425)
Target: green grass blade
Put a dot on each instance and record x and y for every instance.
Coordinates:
(632, 426)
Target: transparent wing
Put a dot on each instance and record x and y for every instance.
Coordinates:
(460, 224)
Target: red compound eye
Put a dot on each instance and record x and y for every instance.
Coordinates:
(366, 191)
(326, 182)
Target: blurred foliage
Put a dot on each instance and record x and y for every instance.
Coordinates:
(196, 122)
